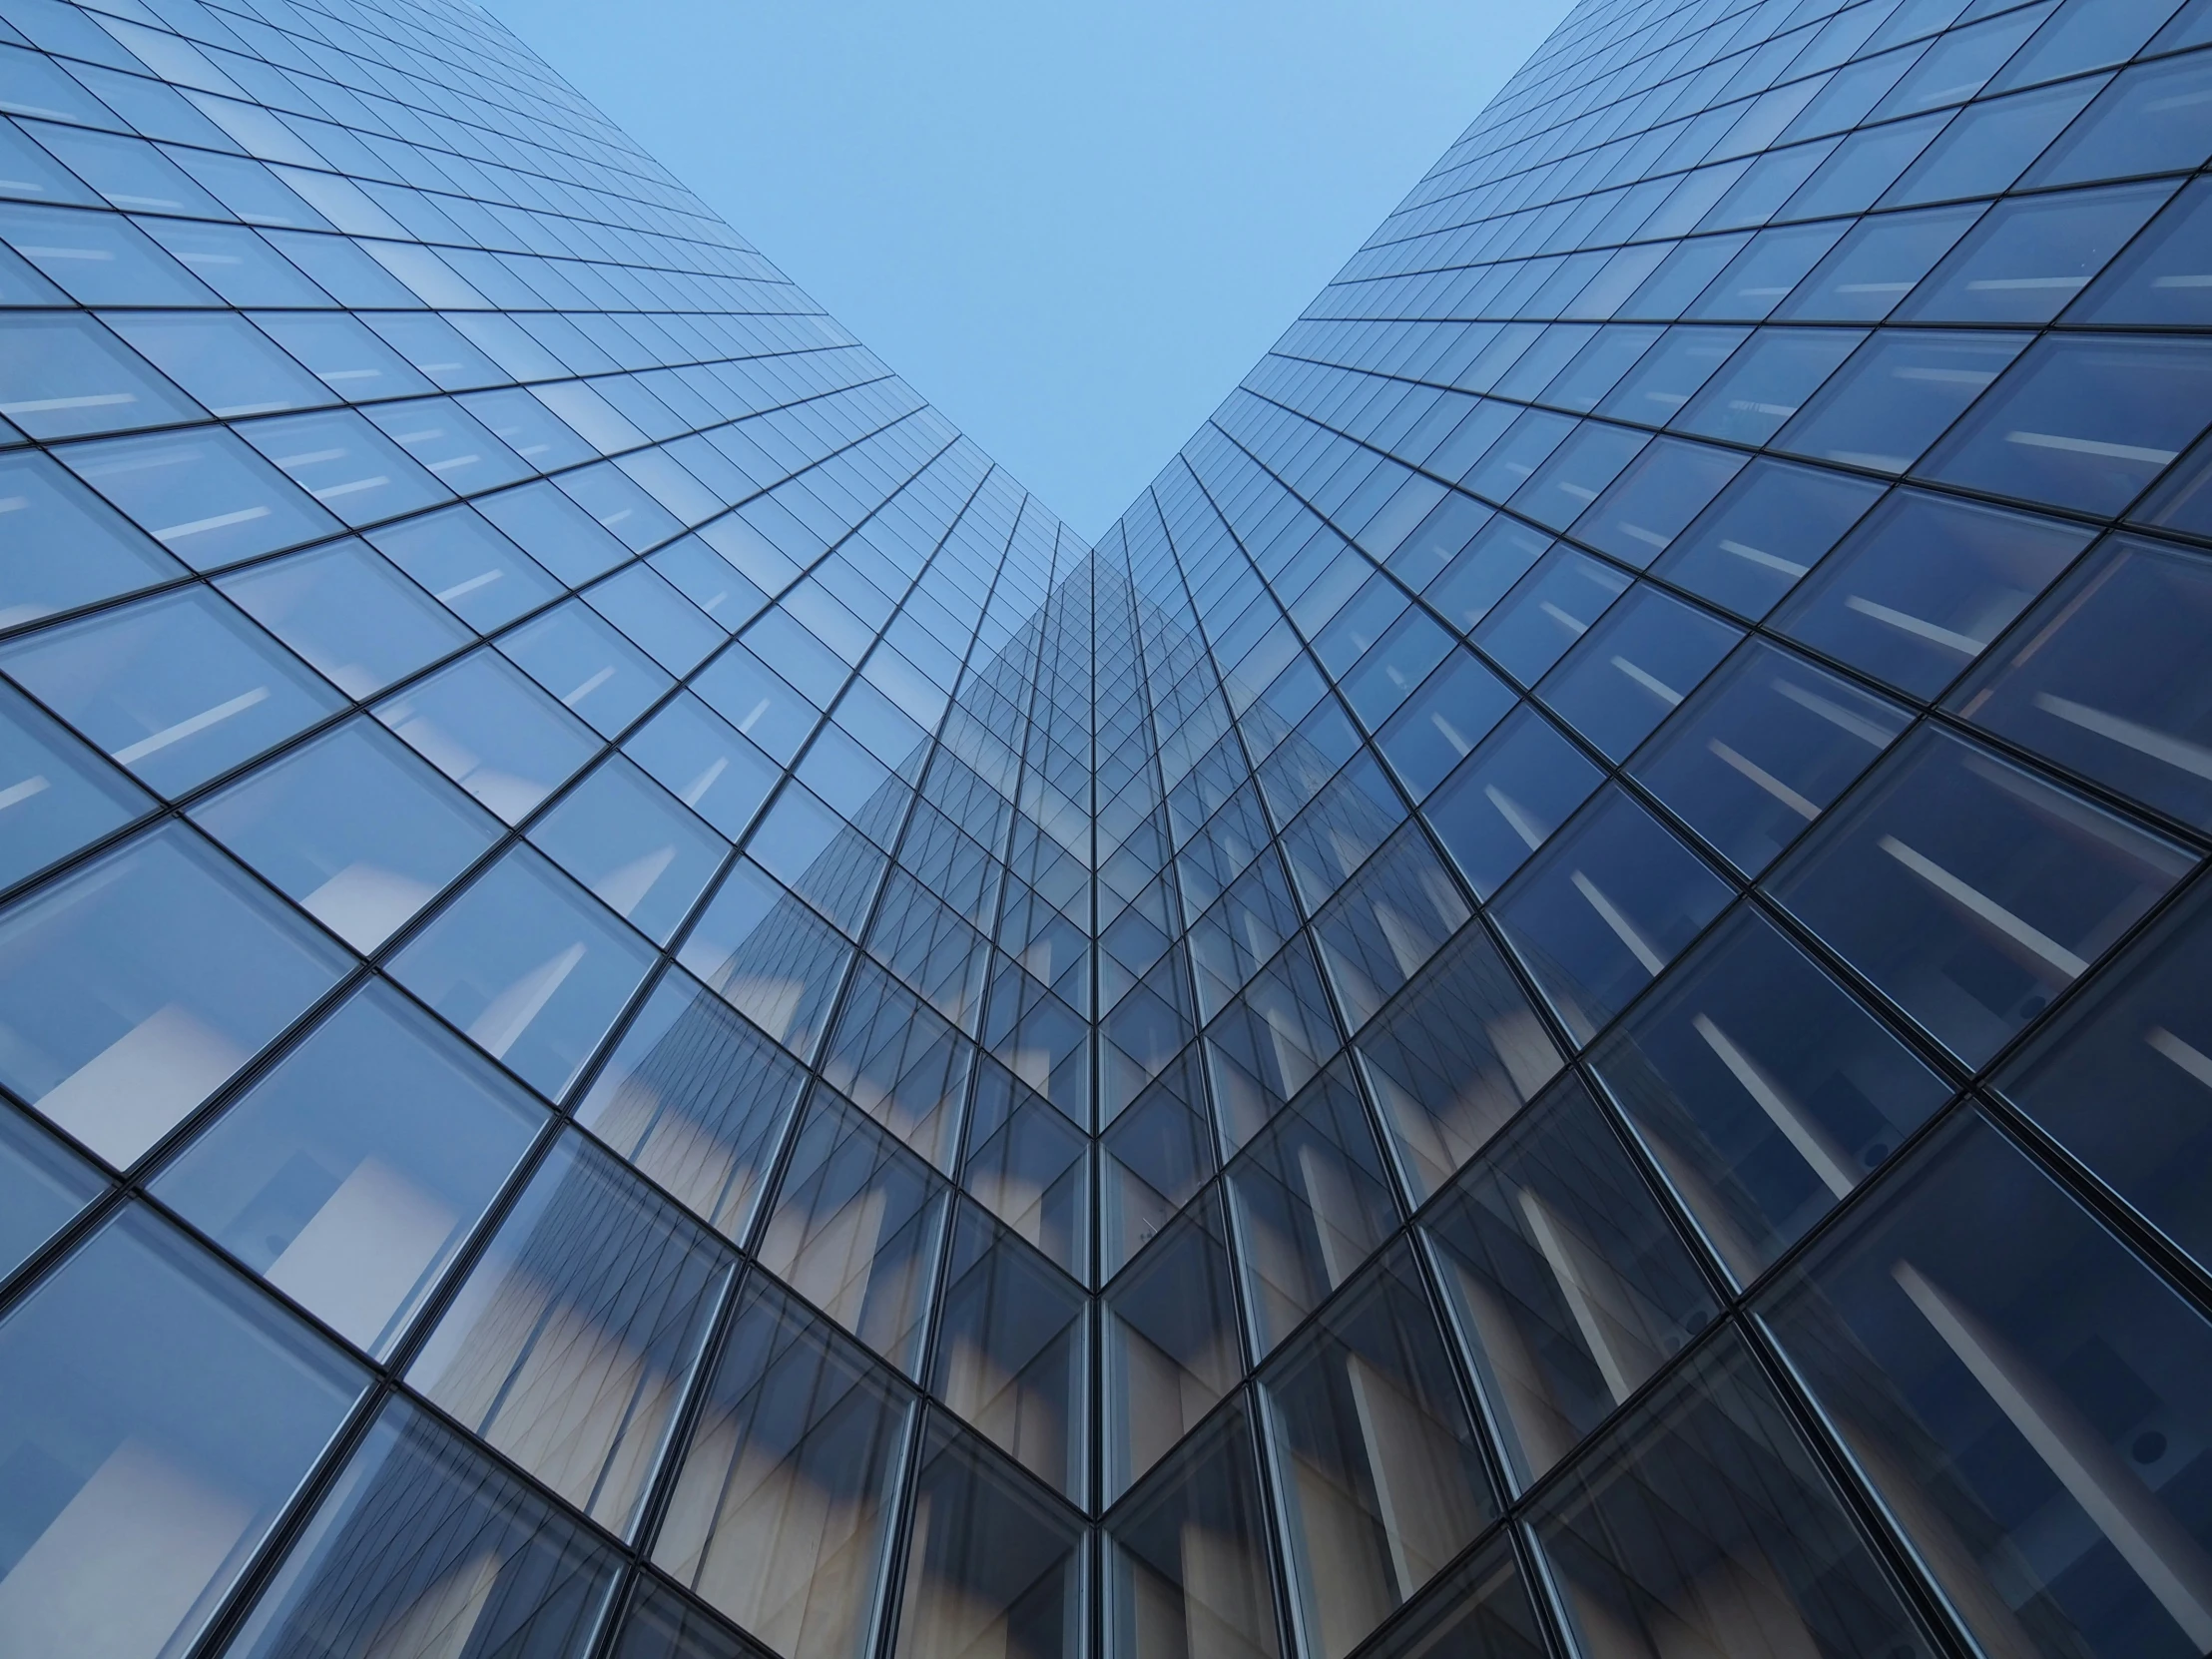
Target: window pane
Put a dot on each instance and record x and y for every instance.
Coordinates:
(781, 1512)
(1763, 1089)
(135, 988)
(176, 688)
(698, 1100)
(2004, 1371)
(62, 375)
(42, 1185)
(1311, 1202)
(467, 566)
(1011, 1358)
(55, 794)
(1972, 892)
(357, 620)
(1552, 608)
(532, 968)
(2027, 259)
(1187, 1557)
(2084, 423)
(638, 850)
(1926, 585)
(1605, 907)
(488, 728)
(1763, 751)
(2104, 677)
(353, 827)
(423, 1548)
(159, 1414)
(202, 494)
(1706, 1522)
(351, 1176)
(64, 547)
(1897, 395)
(1171, 1343)
(857, 1228)
(1765, 534)
(1634, 669)
(1570, 1287)
(2122, 1078)
(571, 1343)
(1382, 1475)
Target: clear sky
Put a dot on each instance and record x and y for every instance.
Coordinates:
(1072, 227)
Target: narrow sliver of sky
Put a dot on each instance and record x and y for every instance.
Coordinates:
(1072, 227)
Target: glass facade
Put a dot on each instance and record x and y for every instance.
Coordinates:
(644, 1015)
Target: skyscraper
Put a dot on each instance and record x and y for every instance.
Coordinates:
(1556, 1005)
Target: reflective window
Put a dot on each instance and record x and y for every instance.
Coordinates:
(347, 464)
(1188, 1559)
(66, 377)
(176, 689)
(1441, 722)
(1654, 499)
(351, 1176)
(353, 829)
(160, 1415)
(1766, 747)
(423, 1542)
(65, 548)
(1547, 611)
(2027, 259)
(1508, 797)
(1897, 396)
(529, 966)
(1310, 1203)
(570, 1344)
(779, 1516)
(1171, 1343)
(698, 1100)
(1884, 604)
(2161, 277)
(467, 566)
(56, 795)
(587, 665)
(2100, 678)
(1376, 1454)
(2122, 1078)
(354, 616)
(1765, 383)
(1765, 1091)
(633, 846)
(984, 1549)
(136, 986)
(2004, 1372)
(202, 494)
(42, 1185)
(1602, 910)
(1569, 1285)
(1972, 891)
(1706, 1520)
(1876, 264)
(1634, 668)
(1012, 1356)
(488, 728)
(1762, 536)
(857, 1228)
(1484, 571)
(771, 958)
(221, 360)
(2084, 423)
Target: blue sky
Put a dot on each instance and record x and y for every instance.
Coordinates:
(1072, 227)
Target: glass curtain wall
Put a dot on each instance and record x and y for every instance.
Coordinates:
(1554, 1008)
